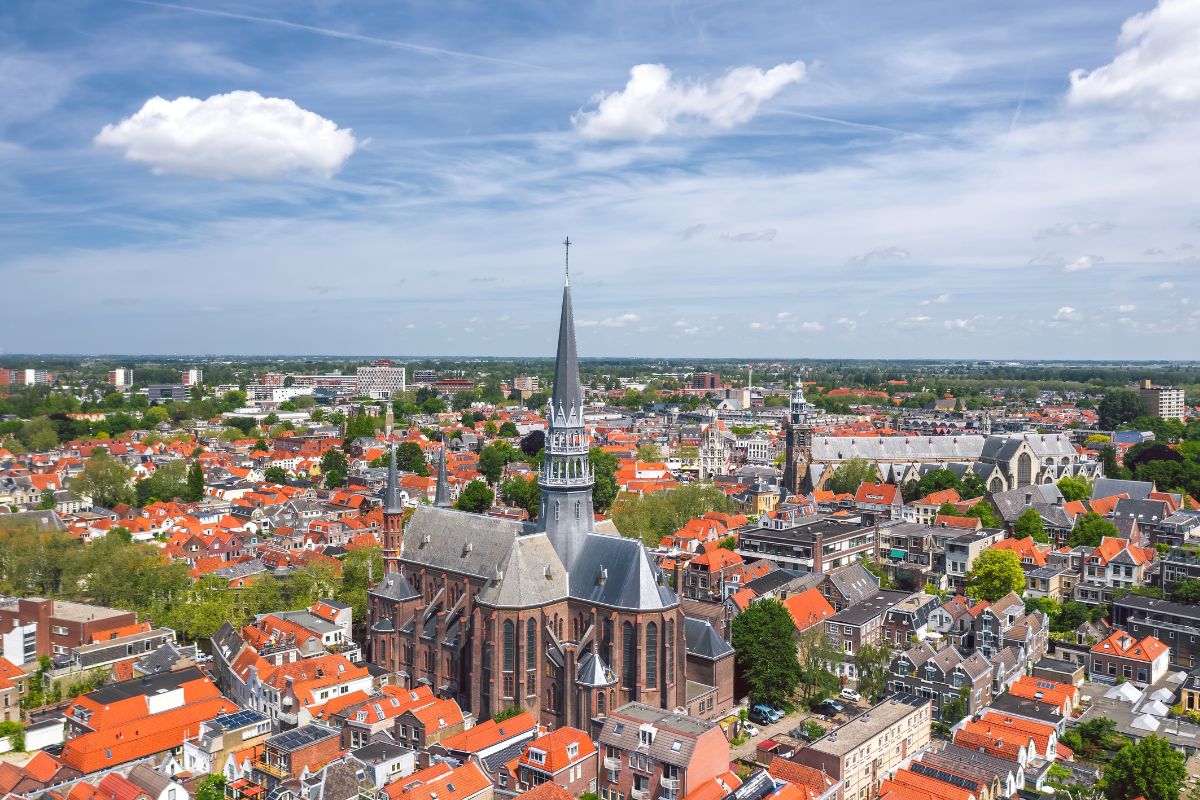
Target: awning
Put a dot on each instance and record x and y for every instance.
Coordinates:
(897, 554)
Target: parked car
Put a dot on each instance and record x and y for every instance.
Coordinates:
(850, 694)
(829, 708)
(750, 730)
(772, 715)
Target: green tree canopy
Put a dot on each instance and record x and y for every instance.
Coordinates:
(765, 652)
(994, 574)
(1090, 528)
(604, 468)
(1148, 768)
(650, 517)
(493, 459)
(874, 666)
(1074, 489)
(649, 452)
(275, 474)
(105, 480)
(1030, 523)
(476, 497)
(1118, 407)
(522, 492)
(509, 430)
(846, 478)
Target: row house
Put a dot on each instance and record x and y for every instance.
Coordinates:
(650, 752)
(1122, 657)
(860, 624)
(1114, 565)
(908, 620)
(566, 757)
(942, 675)
(879, 501)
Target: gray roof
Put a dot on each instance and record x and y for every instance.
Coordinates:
(869, 608)
(145, 776)
(1108, 487)
(897, 448)
(854, 581)
(568, 394)
(954, 757)
(530, 574)
(392, 504)
(617, 572)
(163, 659)
(594, 672)
(395, 586)
(703, 640)
(777, 579)
(1024, 707)
(469, 544)
(622, 729)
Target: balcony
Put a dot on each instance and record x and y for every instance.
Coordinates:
(639, 794)
(668, 784)
(612, 762)
(271, 769)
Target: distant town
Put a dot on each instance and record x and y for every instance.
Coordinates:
(404, 579)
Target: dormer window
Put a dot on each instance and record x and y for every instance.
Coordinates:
(646, 735)
(537, 756)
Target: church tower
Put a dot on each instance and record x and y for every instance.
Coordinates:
(393, 517)
(566, 476)
(798, 429)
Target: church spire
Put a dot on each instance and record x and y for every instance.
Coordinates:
(568, 395)
(391, 495)
(442, 496)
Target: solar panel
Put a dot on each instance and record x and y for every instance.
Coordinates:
(943, 776)
(1045, 684)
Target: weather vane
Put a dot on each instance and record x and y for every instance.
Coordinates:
(567, 257)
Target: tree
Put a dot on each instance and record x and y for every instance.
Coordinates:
(650, 452)
(334, 461)
(1187, 591)
(275, 474)
(1118, 407)
(493, 459)
(411, 458)
(477, 497)
(874, 666)
(105, 480)
(211, 787)
(954, 709)
(522, 492)
(995, 574)
(1112, 468)
(1030, 523)
(984, 512)
(849, 474)
(1074, 489)
(38, 434)
(652, 516)
(937, 480)
(816, 655)
(765, 652)
(604, 470)
(1090, 529)
(509, 430)
(973, 486)
(1149, 768)
(195, 482)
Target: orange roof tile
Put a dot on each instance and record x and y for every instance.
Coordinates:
(808, 608)
(1121, 644)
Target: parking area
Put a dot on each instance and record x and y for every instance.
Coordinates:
(747, 750)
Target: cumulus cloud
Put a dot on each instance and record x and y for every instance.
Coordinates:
(850, 324)
(616, 321)
(1067, 314)
(1073, 229)
(811, 327)
(1166, 285)
(881, 254)
(235, 135)
(765, 235)
(1082, 263)
(654, 103)
(941, 299)
(957, 324)
(782, 315)
(1125, 308)
(1157, 64)
(915, 321)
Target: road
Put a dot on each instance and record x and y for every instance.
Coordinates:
(747, 750)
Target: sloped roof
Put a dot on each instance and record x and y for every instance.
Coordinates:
(632, 580)
(532, 574)
(702, 639)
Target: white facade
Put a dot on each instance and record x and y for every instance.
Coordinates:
(190, 377)
(380, 381)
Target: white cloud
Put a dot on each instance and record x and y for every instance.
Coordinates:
(915, 321)
(782, 315)
(235, 135)
(1082, 263)
(1068, 314)
(1074, 229)
(1125, 308)
(1166, 285)
(691, 230)
(653, 103)
(957, 324)
(881, 254)
(619, 321)
(850, 324)
(681, 323)
(756, 326)
(811, 327)
(1157, 66)
(941, 299)
(766, 235)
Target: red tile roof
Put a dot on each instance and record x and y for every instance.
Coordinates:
(1121, 644)
(808, 608)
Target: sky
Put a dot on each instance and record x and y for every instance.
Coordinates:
(796, 179)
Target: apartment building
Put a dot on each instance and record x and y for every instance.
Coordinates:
(860, 624)
(809, 543)
(58, 626)
(381, 380)
(1162, 401)
(120, 378)
(1176, 625)
(871, 747)
(962, 550)
(651, 752)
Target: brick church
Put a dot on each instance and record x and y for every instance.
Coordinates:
(563, 617)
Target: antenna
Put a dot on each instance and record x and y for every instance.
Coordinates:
(567, 258)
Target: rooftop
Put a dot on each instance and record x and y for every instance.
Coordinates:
(869, 724)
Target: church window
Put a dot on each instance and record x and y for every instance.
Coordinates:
(629, 661)
(577, 507)
(669, 653)
(600, 704)
(510, 645)
(652, 656)
(556, 507)
(1024, 470)
(531, 644)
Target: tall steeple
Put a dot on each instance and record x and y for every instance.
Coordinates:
(393, 518)
(566, 476)
(441, 497)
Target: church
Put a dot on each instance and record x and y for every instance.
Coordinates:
(562, 617)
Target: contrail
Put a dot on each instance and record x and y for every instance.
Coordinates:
(849, 124)
(356, 37)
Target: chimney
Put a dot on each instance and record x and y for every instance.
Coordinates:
(677, 576)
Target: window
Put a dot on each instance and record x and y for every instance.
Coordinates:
(629, 659)
(531, 644)
(510, 645)
(58, 630)
(651, 656)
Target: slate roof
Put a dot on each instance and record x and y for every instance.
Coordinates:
(622, 726)
(633, 581)
(703, 640)
(897, 448)
(779, 578)
(854, 582)
(469, 544)
(567, 394)
(1108, 487)
(394, 586)
(532, 575)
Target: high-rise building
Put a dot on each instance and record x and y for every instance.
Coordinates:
(380, 380)
(121, 377)
(30, 377)
(190, 377)
(706, 380)
(1162, 401)
(526, 385)
(424, 377)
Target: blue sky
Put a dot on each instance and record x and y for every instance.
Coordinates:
(792, 179)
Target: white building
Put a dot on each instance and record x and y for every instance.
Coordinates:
(380, 380)
(190, 377)
(121, 377)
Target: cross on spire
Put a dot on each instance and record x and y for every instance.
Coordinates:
(567, 258)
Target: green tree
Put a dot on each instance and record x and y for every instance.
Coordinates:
(509, 430)
(47, 502)
(1118, 407)
(1030, 523)
(522, 492)
(493, 459)
(1090, 528)
(652, 516)
(1187, 591)
(849, 474)
(954, 709)
(275, 474)
(765, 652)
(972, 486)
(604, 469)
(1113, 468)
(105, 480)
(262, 595)
(476, 497)
(649, 452)
(874, 666)
(211, 787)
(38, 434)
(334, 467)
(937, 480)
(816, 655)
(195, 482)
(1074, 489)
(994, 574)
(984, 512)
(358, 568)
(1149, 768)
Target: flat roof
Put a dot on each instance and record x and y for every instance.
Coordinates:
(148, 685)
(661, 718)
(880, 601)
(869, 724)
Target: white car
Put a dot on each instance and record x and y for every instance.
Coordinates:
(850, 694)
(750, 730)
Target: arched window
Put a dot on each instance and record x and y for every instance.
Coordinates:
(652, 656)
(531, 644)
(510, 645)
(577, 507)
(670, 653)
(629, 662)
(1024, 470)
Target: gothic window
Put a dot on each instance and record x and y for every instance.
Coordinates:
(652, 656)
(1024, 470)
(531, 644)
(557, 503)
(600, 704)
(577, 507)
(669, 652)
(510, 645)
(629, 661)
(606, 647)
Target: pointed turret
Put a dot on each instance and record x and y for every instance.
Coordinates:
(392, 504)
(568, 395)
(442, 496)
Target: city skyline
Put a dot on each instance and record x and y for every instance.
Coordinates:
(835, 181)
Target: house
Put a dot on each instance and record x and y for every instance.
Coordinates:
(847, 585)
(442, 782)
(1062, 696)
(212, 750)
(879, 501)
(566, 757)
(1122, 656)
(491, 744)
(1175, 624)
(858, 753)
(710, 662)
(860, 624)
(651, 752)
(808, 609)
(1114, 565)
(908, 620)
(943, 675)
